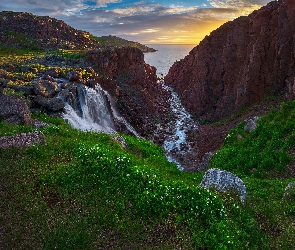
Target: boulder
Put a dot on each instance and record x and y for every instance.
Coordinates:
(224, 181)
(251, 124)
(74, 76)
(40, 124)
(14, 110)
(53, 72)
(45, 88)
(3, 73)
(27, 90)
(23, 140)
(51, 104)
(288, 189)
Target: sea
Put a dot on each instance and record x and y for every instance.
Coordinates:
(166, 55)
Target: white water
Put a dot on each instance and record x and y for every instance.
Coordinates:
(95, 112)
(176, 143)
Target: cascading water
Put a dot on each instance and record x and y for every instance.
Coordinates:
(175, 144)
(93, 110)
(93, 113)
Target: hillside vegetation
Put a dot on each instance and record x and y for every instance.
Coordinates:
(119, 42)
(84, 190)
(25, 30)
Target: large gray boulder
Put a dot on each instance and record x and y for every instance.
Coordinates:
(23, 140)
(14, 110)
(224, 181)
(251, 124)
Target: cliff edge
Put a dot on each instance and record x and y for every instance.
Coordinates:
(239, 64)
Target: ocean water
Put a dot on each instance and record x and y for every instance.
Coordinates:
(166, 55)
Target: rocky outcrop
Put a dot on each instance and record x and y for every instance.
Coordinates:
(132, 83)
(224, 181)
(21, 29)
(45, 88)
(117, 41)
(239, 64)
(23, 140)
(14, 110)
(53, 104)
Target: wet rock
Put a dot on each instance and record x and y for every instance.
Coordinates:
(224, 181)
(51, 104)
(132, 83)
(14, 110)
(23, 140)
(45, 88)
(74, 76)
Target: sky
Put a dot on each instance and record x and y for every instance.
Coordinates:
(144, 21)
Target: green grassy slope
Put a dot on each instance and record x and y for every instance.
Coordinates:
(85, 191)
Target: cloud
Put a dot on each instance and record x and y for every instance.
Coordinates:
(244, 6)
(103, 3)
(139, 21)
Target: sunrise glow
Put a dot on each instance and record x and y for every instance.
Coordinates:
(148, 22)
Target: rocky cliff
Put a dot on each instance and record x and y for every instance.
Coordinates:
(240, 63)
(20, 29)
(133, 83)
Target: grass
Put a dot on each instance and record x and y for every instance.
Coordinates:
(81, 186)
(83, 190)
(264, 150)
(71, 194)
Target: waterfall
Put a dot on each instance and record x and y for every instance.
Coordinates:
(93, 110)
(175, 144)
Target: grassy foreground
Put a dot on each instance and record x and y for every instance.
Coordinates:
(85, 191)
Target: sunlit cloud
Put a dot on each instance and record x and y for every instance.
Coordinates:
(144, 21)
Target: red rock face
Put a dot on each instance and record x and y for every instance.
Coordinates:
(133, 83)
(239, 64)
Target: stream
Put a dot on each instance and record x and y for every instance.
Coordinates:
(176, 146)
(89, 109)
